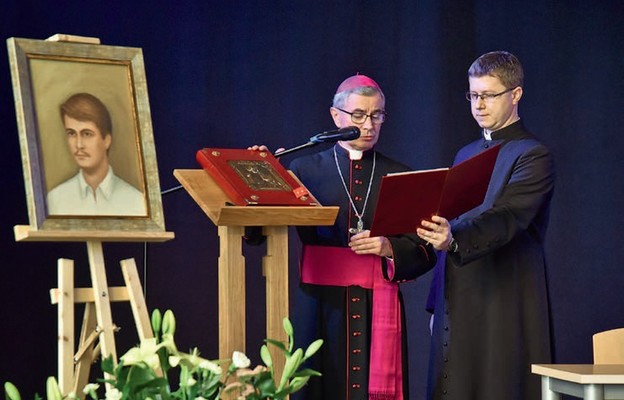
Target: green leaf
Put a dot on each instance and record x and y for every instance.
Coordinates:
(288, 327)
(139, 377)
(313, 348)
(266, 356)
(297, 383)
(281, 394)
(290, 332)
(11, 392)
(156, 321)
(278, 344)
(265, 385)
(211, 385)
(107, 365)
(307, 372)
(154, 388)
(291, 365)
(52, 389)
(168, 323)
(184, 376)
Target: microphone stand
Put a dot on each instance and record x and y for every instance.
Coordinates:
(317, 139)
(170, 190)
(296, 148)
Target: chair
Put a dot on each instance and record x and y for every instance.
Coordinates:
(609, 347)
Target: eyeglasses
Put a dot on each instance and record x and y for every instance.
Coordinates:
(473, 96)
(359, 117)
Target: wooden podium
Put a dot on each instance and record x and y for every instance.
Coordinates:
(231, 221)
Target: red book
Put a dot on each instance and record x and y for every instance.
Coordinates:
(251, 177)
(407, 198)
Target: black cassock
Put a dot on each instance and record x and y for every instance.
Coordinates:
(341, 316)
(492, 317)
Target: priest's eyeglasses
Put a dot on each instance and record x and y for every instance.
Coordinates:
(359, 117)
(474, 96)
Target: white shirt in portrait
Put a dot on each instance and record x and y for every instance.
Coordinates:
(113, 196)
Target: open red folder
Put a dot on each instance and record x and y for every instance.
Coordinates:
(406, 198)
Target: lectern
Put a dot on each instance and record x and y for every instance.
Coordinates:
(231, 221)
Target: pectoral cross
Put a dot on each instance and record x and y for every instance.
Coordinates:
(360, 227)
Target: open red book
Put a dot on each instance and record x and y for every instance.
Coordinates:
(406, 198)
(250, 177)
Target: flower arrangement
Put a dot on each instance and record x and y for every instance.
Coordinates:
(148, 371)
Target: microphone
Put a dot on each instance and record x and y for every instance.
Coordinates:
(348, 133)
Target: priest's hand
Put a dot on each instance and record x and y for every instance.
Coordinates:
(262, 147)
(362, 243)
(437, 232)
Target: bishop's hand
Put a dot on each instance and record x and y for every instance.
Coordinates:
(363, 243)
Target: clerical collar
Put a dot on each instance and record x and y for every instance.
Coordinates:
(353, 154)
(488, 135)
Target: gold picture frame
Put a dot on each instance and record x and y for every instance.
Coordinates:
(45, 74)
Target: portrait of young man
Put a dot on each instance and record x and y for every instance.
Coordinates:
(95, 189)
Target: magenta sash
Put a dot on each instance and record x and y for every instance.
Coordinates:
(340, 266)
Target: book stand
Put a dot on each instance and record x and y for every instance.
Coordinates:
(231, 221)
(74, 368)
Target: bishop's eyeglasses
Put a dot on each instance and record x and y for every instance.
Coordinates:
(474, 96)
(359, 117)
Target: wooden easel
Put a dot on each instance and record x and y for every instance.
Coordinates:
(231, 221)
(97, 320)
(74, 365)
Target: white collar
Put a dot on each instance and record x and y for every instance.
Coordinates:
(353, 154)
(106, 186)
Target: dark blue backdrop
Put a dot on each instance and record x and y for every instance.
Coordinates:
(233, 73)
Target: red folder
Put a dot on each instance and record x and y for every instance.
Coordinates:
(251, 177)
(407, 198)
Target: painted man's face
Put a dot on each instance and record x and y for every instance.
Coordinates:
(86, 143)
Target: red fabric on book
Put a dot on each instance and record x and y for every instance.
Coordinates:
(251, 177)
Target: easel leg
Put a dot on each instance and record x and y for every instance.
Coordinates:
(101, 299)
(231, 291)
(65, 313)
(86, 354)
(275, 270)
(137, 301)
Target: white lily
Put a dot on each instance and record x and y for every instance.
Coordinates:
(240, 360)
(211, 366)
(113, 394)
(145, 353)
(174, 361)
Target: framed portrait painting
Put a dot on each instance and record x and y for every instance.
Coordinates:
(86, 138)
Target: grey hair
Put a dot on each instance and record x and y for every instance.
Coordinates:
(341, 97)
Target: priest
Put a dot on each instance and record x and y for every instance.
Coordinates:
(348, 293)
